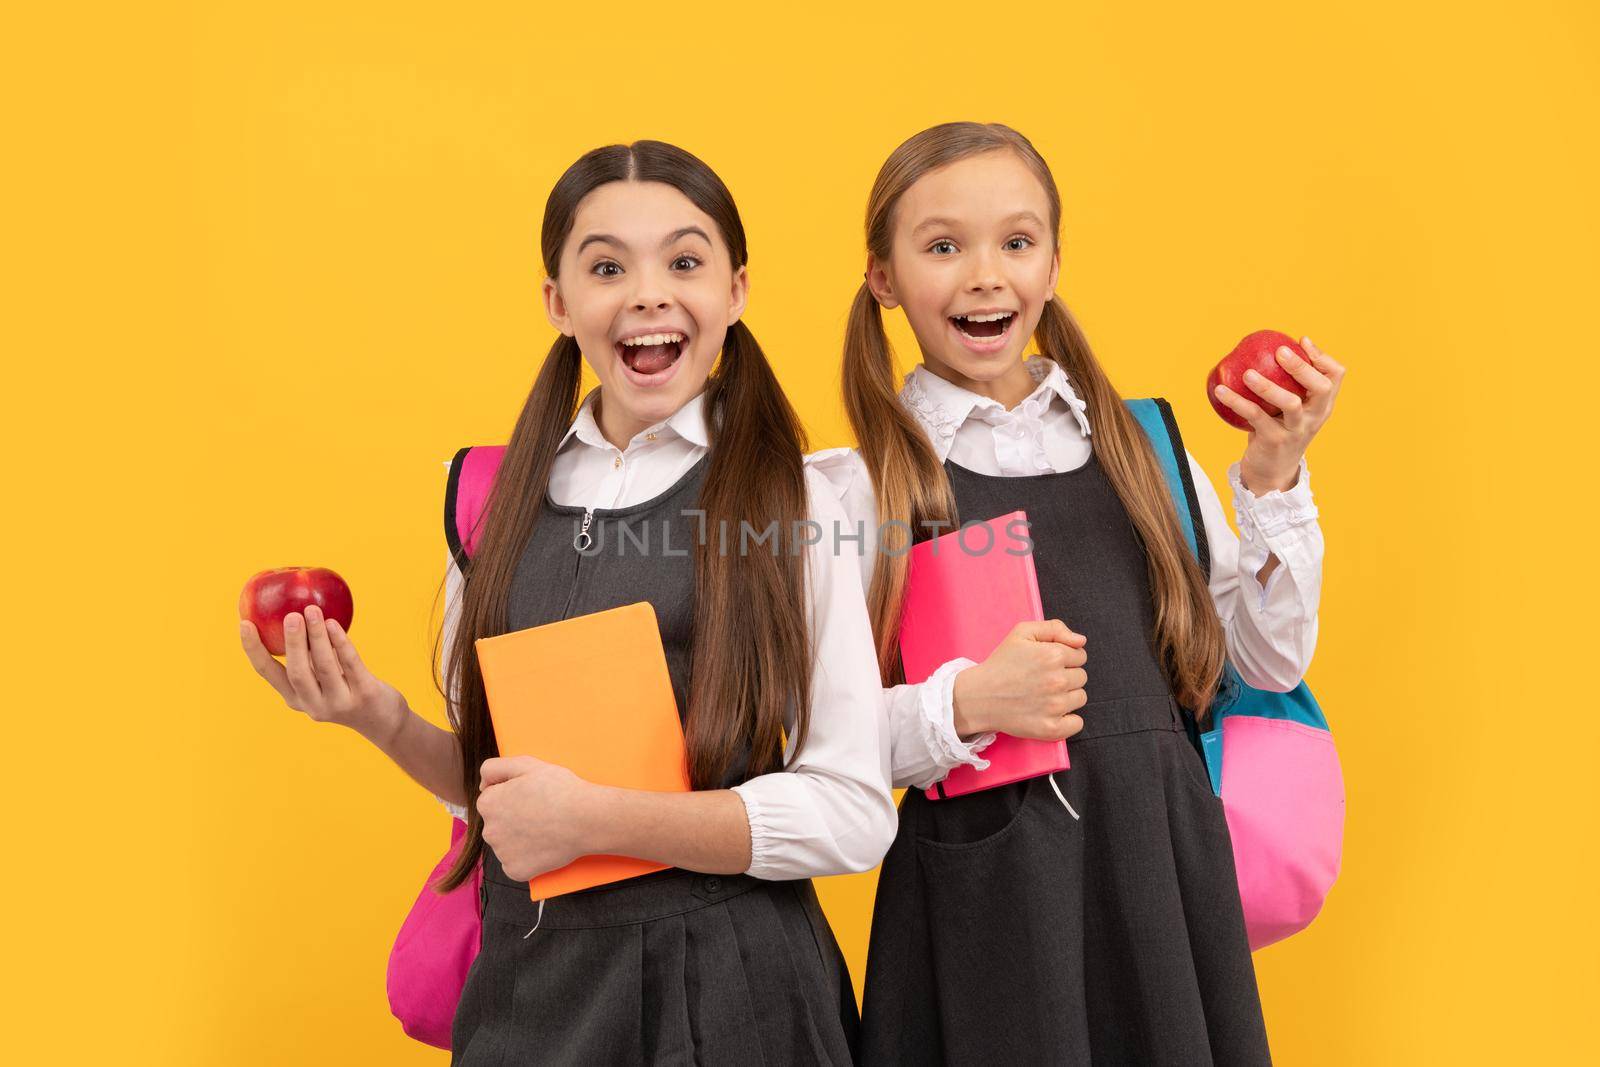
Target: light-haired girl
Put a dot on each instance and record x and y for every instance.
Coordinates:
(1093, 915)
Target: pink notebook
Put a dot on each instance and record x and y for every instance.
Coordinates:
(964, 593)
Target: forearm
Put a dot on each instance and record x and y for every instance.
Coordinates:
(425, 752)
(704, 831)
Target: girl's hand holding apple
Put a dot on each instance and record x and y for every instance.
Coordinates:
(324, 676)
(1280, 436)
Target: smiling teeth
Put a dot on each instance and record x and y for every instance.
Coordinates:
(654, 339)
(992, 317)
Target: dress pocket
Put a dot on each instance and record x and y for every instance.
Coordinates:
(985, 884)
(1001, 906)
(973, 820)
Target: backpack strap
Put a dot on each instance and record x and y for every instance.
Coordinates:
(1155, 416)
(466, 493)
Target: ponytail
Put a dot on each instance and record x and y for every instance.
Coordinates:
(752, 652)
(507, 520)
(909, 483)
(1189, 636)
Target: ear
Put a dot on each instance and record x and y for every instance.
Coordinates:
(738, 294)
(1055, 268)
(555, 308)
(881, 285)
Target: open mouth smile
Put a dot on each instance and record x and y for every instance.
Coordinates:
(650, 359)
(984, 331)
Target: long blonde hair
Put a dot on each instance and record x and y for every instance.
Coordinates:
(910, 483)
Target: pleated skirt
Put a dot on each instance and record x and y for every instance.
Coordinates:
(1006, 931)
(669, 968)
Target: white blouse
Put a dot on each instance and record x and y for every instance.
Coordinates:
(1271, 629)
(830, 811)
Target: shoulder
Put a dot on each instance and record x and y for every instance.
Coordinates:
(841, 468)
(845, 473)
(842, 501)
(826, 486)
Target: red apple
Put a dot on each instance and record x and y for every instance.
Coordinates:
(270, 595)
(1258, 352)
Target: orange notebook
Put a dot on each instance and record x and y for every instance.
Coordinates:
(591, 693)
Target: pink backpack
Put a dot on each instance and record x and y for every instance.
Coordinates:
(441, 934)
(434, 950)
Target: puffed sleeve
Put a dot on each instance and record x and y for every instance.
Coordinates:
(830, 811)
(924, 745)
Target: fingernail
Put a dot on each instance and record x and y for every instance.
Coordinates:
(291, 621)
(1305, 342)
(313, 613)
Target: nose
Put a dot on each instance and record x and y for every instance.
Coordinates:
(652, 291)
(986, 276)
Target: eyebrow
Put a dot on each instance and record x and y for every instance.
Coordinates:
(1026, 216)
(615, 242)
(687, 231)
(933, 223)
(944, 223)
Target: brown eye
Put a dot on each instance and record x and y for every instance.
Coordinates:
(605, 269)
(685, 263)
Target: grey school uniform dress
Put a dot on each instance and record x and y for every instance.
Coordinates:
(1005, 931)
(668, 968)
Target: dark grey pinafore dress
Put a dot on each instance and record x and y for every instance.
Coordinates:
(1007, 932)
(668, 968)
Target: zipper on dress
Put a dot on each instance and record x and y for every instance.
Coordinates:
(583, 540)
(581, 544)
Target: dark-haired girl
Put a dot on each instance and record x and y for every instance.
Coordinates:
(725, 957)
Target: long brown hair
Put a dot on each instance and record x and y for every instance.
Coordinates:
(752, 653)
(910, 483)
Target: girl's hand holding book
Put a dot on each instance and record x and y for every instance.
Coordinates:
(534, 814)
(1032, 685)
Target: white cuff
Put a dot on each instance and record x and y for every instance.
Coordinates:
(938, 698)
(761, 836)
(1270, 514)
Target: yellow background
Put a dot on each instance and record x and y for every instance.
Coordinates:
(270, 265)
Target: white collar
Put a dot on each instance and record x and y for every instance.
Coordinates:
(688, 422)
(942, 406)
